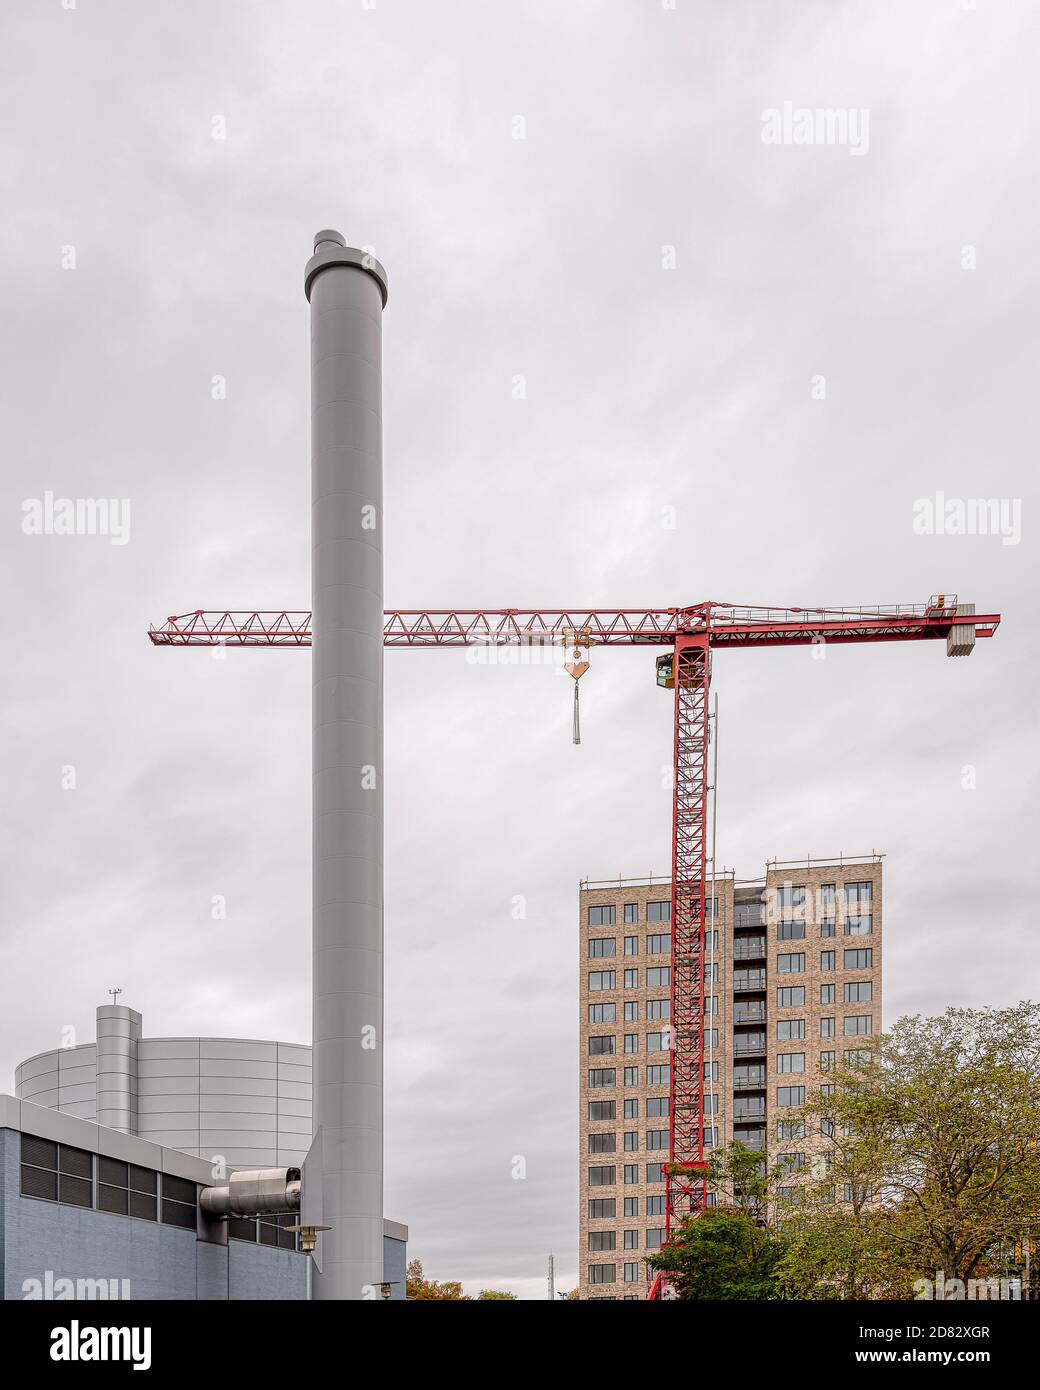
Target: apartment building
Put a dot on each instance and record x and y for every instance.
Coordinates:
(793, 982)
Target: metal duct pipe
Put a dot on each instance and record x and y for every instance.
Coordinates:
(346, 289)
(254, 1192)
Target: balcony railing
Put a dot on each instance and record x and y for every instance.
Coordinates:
(744, 1110)
(755, 1140)
(749, 1045)
(749, 979)
(752, 948)
(748, 1078)
(751, 1012)
(753, 915)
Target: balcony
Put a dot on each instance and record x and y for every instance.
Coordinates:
(744, 980)
(751, 948)
(753, 1139)
(749, 1078)
(745, 1111)
(749, 1045)
(749, 914)
(753, 1012)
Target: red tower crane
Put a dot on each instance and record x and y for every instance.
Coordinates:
(693, 634)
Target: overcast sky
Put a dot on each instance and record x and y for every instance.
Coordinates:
(668, 286)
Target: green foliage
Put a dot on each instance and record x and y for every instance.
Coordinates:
(723, 1254)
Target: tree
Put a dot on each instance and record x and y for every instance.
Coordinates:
(934, 1136)
(419, 1287)
(487, 1294)
(722, 1254)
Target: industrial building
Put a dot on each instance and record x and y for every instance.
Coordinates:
(102, 1188)
(794, 963)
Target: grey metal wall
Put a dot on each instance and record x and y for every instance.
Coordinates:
(65, 1080)
(161, 1262)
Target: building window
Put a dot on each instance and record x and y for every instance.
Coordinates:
(790, 931)
(826, 899)
(602, 1076)
(631, 1206)
(631, 979)
(604, 1176)
(631, 1240)
(602, 1274)
(631, 913)
(826, 1090)
(602, 916)
(631, 1141)
(828, 926)
(711, 1104)
(710, 1138)
(655, 1042)
(602, 1143)
(655, 1172)
(602, 1013)
(655, 1206)
(826, 994)
(658, 977)
(857, 1056)
(632, 1011)
(790, 1095)
(858, 899)
(179, 1198)
(659, 912)
(602, 979)
(791, 1163)
(602, 946)
(631, 1173)
(655, 1237)
(827, 1060)
(657, 1108)
(827, 960)
(861, 958)
(631, 1042)
(657, 1139)
(827, 1128)
(790, 1129)
(631, 1109)
(711, 973)
(602, 1240)
(631, 1076)
(858, 1025)
(711, 1004)
(602, 1045)
(826, 1027)
(657, 1076)
(791, 1196)
(603, 1109)
(658, 945)
(792, 964)
(631, 945)
(56, 1172)
(790, 1029)
(126, 1190)
(711, 1070)
(790, 997)
(790, 897)
(790, 1061)
(711, 1037)
(859, 992)
(632, 1273)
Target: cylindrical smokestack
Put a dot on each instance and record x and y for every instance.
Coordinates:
(347, 291)
(118, 1034)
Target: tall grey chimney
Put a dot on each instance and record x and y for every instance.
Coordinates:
(347, 291)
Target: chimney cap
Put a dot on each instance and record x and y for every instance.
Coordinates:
(329, 234)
